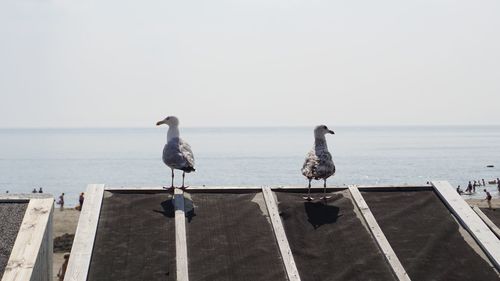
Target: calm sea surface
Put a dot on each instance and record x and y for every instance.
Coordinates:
(66, 160)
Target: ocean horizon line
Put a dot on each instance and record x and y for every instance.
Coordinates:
(261, 127)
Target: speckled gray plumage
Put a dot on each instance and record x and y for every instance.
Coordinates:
(177, 154)
(11, 217)
(318, 163)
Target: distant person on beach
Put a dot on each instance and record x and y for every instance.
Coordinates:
(80, 200)
(498, 184)
(40, 190)
(469, 187)
(34, 190)
(64, 266)
(61, 201)
(488, 198)
(459, 191)
(474, 186)
(484, 183)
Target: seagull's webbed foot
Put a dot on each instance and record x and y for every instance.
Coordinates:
(171, 188)
(325, 197)
(184, 187)
(308, 198)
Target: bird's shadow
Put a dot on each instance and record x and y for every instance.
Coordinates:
(168, 209)
(319, 213)
(189, 209)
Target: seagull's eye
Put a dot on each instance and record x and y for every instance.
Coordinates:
(168, 118)
(324, 127)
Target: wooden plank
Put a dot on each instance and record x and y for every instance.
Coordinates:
(378, 234)
(22, 197)
(132, 188)
(487, 221)
(180, 236)
(343, 187)
(470, 221)
(219, 188)
(50, 244)
(394, 186)
(277, 188)
(83, 244)
(279, 232)
(191, 188)
(14, 200)
(32, 252)
(43, 269)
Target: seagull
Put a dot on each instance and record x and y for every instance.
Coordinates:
(177, 153)
(318, 163)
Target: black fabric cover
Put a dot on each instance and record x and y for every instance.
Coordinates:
(328, 240)
(426, 237)
(230, 239)
(11, 217)
(135, 238)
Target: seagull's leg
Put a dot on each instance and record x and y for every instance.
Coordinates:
(172, 185)
(183, 175)
(324, 191)
(308, 197)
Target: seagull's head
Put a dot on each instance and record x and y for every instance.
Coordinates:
(322, 130)
(170, 120)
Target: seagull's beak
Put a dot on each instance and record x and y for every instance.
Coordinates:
(160, 122)
(331, 132)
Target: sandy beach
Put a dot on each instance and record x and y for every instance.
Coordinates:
(481, 203)
(65, 221)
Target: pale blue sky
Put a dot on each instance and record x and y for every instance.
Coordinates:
(110, 63)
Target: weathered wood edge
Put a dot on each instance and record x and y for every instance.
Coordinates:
(470, 221)
(22, 197)
(191, 188)
(14, 200)
(274, 188)
(279, 232)
(26, 257)
(378, 234)
(83, 244)
(487, 221)
(50, 248)
(181, 256)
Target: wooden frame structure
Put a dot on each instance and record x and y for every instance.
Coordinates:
(389, 254)
(487, 221)
(180, 236)
(31, 255)
(81, 253)
(470, 221)
(279, 232)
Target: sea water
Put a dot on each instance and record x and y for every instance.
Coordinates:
(66, 160)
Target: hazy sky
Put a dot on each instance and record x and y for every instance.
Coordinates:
(107, 63)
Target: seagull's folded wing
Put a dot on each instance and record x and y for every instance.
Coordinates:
(187, 153)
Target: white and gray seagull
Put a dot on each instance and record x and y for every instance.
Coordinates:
(177, 153)
(319, 164)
